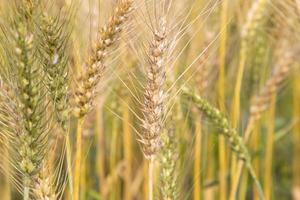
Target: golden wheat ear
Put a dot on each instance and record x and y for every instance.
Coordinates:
(96, 66)
(153, 107)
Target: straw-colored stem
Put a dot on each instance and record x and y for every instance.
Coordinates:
(151, 178)
(197, 175)
(146, 179)
(100, 145)
(127, 152)
(114, 146)
(239, 166)
(210, 193)
(235, 180)
(256, 181)
(84, 173)
(249, 128)
(296, 138)
(69, 164)
(222, 146)
(235, 116)
(269, 151)
(238, 85)
(255, 143)
(243, 186)
(78, 158)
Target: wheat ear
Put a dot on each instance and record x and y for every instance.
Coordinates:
(31, 135)
(154, 96)
(221, 122)
(54, 38)
(85, 94)
(96, 66)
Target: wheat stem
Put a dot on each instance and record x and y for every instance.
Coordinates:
(69, 164)
(221, 91)
(296, 136)
(269, 149)
(197, 175)
(256, 181)
(78, 158)
(26, 192)
(151, 178)
(127, 143)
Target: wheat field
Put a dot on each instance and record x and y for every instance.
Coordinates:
(149, 99)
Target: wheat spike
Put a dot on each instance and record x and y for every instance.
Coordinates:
(96, 66)
(153, 107)
(53, 47)
(221, 122)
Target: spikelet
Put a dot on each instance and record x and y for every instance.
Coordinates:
(96, 66)
(221, 122)
(154, 105)
(43, 186)
(53, 51)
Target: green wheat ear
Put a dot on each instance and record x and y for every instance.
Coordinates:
(53, 45)
(221, 122)
(29, 143)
